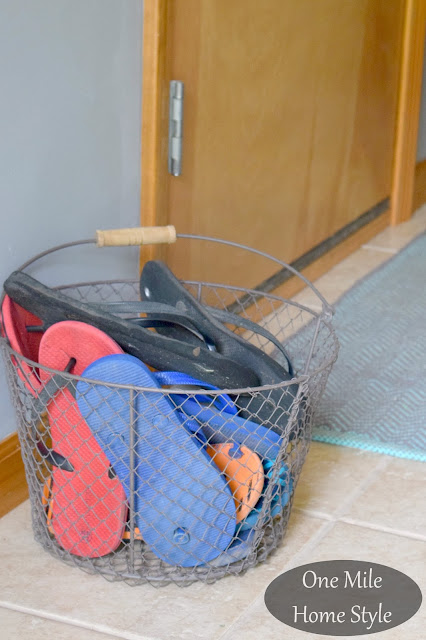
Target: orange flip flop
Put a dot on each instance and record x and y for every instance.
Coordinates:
(88, 506)
(244, 472)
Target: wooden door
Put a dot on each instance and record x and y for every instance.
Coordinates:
(289, 123)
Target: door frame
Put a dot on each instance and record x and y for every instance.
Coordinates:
(155, 114)
(408, 111)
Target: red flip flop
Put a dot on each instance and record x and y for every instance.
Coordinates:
(15, 321)
(88, 503)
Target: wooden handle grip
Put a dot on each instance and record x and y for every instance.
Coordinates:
(136, 236)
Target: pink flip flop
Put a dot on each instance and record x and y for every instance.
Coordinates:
(15, 321)
(88, 503)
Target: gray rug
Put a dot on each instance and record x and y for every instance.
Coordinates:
(376, 394)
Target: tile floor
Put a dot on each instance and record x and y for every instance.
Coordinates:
(349, 504)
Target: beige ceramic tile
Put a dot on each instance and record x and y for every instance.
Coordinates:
(330, 475)
(396, 498)
(354, 543)
(343, 276)
(309, 299)
(22, 626)
(33, 580)
(393, 239)
(284, 322)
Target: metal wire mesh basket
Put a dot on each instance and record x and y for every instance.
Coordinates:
(169, 481)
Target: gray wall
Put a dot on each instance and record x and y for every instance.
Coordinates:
(70, 107)
(421, 144)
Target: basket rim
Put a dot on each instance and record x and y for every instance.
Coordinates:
(301, 379)
(323, 312)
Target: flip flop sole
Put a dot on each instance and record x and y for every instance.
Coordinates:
(15, 320)
(272, 407)
(244, 471)
(160, 352)
(219, 426)
(88, 504)
(183, 507)
(238, 550)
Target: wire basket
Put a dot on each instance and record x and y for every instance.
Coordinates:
(171, 482)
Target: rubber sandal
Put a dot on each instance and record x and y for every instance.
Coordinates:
(244, 473)
(242, 468)
(172, 317)
(272, 407)
(15, 320)
(281, 494)
(183, 507)
(219, 426)
(158, 351)
(46, 501)
(241, 547)
(88, 504)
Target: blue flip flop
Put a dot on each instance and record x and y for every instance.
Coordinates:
(219, 421)
(218, 416)
(238, 550)
(221, 426)
(183, 508)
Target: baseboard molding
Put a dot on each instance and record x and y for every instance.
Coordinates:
(338, 253)
(419, 194)
(13, 486)
(316, 268)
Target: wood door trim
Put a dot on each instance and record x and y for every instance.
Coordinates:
(154, 181)
(407, 123)
(419, 196)
(13, 486)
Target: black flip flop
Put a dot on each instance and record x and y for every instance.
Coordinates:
(271, 407)
(159, 351)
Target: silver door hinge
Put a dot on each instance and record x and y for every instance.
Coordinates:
(175, 127)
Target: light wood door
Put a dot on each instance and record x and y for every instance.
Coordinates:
(288, 125)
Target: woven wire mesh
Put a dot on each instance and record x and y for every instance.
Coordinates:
(135, 467)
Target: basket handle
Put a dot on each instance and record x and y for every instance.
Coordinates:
(136, 236)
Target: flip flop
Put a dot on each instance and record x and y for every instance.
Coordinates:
(272, 408)
(219, 426)
(15, 320)
(242, 467)
(172, 317)
(283, 488)
(183, 507)
(156, 350)
(244, 472)
(88, 504)
(240, 548)
(216, 416)
(46, 501)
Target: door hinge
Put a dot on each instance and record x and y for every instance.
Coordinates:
(175, 127)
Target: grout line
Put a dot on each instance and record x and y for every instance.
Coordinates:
(312, 542)
(383, 529)
(361, 487)
(71, 622)
(373, 247)
(310, 545)
(313, 513)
